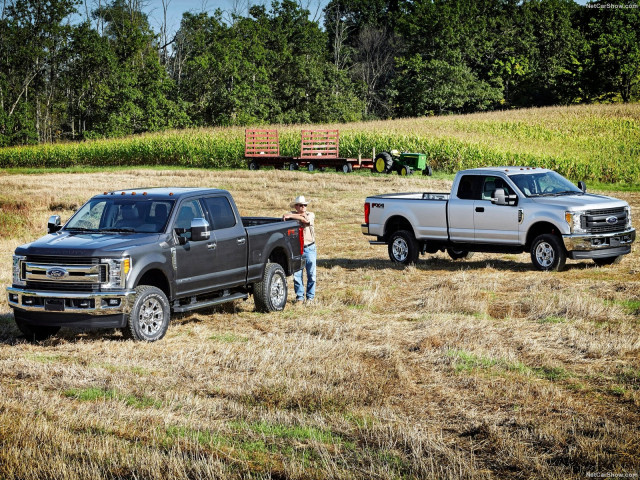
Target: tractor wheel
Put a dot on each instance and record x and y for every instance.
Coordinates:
(404, 171)
(383, 163)
(427, 171)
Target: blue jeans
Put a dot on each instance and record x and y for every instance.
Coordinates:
(309, 264)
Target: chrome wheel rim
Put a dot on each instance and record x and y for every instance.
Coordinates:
(545, 254)
(277, 291)
(151, 316)
(400, 249)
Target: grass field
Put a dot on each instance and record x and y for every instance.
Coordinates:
(477, 369)
(584, 142)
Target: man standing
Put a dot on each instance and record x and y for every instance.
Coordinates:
(307, 220)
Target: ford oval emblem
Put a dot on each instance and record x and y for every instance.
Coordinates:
(612, 220)
(56, 273)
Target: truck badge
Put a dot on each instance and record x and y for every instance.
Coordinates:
(56, 273)
(612, 220)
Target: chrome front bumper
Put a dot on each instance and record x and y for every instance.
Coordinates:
(595, 242)
(98, 303)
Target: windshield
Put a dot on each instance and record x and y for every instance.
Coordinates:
(121, 215)
(544, 184)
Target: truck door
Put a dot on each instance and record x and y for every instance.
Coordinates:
(495, 224)
(193, 260)
(461, 203)
(230, 268)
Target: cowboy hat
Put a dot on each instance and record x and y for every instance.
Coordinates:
(299, 199)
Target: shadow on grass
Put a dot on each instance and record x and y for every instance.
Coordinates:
(445, 264)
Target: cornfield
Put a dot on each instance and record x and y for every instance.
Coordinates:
(589, 142)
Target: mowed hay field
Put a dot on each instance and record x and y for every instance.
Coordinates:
(482, 369)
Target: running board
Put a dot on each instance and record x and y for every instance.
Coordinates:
(210, 303)
(376, 242)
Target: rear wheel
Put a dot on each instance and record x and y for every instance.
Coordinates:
(253, 165)
(601, 262)
(150, 315)
(34, 333)
(427, 171)
(403, 248)
(293, 166)
(457, 254)
(547, 253)
(312, 167)
(270, 293)
(383, 163)
(346, 167)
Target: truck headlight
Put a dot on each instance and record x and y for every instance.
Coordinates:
(18, 276)
(628, 211)
(575, 222)
(117, 272)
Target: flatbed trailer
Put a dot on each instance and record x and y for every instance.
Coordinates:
(318, 149)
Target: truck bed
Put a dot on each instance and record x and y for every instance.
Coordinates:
(414, 196)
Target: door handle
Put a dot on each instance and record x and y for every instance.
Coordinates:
(242, 241)
(211, 246)
(479, 209)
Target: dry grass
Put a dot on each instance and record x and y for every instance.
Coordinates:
(469, 369)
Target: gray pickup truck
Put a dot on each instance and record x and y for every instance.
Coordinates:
(127, 259)
(503, 210)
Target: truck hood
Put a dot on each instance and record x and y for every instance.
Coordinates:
(86, 244)
(587, 201)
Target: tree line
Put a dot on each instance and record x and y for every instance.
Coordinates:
(111, 74)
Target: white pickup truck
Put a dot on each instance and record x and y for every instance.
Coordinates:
(503, 210)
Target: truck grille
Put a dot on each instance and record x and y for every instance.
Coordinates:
(81, 274)
(595, 221)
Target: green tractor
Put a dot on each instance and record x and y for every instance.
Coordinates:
(404, 163)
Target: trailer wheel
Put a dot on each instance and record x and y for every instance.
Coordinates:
(253, 165)
(547, 253)
(34, 333)
(427, 171)
(346, 167)
(270, 293)
(456, 254)
(312, 167)
(383, 163)
(403, 248)
(293, 166)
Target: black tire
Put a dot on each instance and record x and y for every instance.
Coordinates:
(603, 262)
(270, 293)
(383, 163)
(254, 165)
(346, 167)
(150, 315)
(548, 253)
(293, 166)
(404, 171)
(34, 333)
(427, 171)
(403, 248)
(456, 254)
(312, 167)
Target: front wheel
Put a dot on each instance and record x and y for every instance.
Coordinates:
(547, 253)
(602, 262)
(403, 248)
(150, 315)
(253, 165)
(270, 293)
(34, 333)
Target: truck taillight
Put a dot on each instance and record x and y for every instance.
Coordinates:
(367, 209)
(301, 238)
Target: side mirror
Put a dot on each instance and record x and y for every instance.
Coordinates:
(499, 198)
(582, 186)
(200, 230)
(53, 224)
